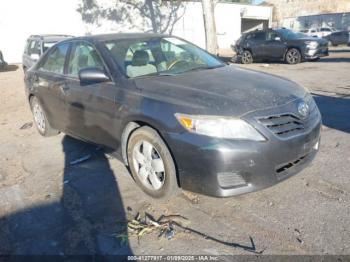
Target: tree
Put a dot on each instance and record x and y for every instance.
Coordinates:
(239, 1)
(150, 15)
(209, 25)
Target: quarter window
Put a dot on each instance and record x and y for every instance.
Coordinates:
(83, 56)
(56, 59)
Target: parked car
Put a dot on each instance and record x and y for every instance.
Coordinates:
(310, 32)
(36, 45)
(339, 38)
(319, 32)
(176, 115)
(3, 64)
(279, 45)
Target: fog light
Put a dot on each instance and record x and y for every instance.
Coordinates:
(230, 179)
(311, 52)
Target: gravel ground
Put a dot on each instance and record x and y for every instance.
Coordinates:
(49, 206)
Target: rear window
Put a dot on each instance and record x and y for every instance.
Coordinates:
(47, 45)
(325, 29)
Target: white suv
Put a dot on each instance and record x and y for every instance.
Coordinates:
(318, 32)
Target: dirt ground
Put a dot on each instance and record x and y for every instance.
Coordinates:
(50, 206)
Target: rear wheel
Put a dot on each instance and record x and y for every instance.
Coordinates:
(247, 57)
(293, 56)
(151, 164)
(40, 119)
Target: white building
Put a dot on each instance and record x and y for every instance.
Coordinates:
(19, 19)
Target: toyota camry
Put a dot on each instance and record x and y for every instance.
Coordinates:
(177, 116)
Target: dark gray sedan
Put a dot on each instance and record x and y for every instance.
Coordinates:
(176, 115)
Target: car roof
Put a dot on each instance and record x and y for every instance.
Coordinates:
(51, 37)
(117, 36)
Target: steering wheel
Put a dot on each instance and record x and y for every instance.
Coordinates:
(175, 62)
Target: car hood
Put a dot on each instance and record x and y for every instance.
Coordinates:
(314, 39)
(228, 90)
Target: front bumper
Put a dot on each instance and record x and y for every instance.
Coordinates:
(316, 53)
(222, 167)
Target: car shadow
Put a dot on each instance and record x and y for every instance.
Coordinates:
(88, 219)
(335, 59)
(346, 50)
(335, 111)
(9, 68)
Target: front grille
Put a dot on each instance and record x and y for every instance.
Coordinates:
(284, 126)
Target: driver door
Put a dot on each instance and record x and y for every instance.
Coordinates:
(91, 107)
(274, 47)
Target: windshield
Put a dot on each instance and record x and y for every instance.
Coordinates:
(289, 34)
(47, 45)
(159, 56)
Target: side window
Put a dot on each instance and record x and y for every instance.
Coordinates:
(271, 35)
(83, 56)
(55, 60)
(259, 36)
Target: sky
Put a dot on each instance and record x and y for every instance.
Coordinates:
(256, 2)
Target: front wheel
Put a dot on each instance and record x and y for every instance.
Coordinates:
(247, 57)
(40, 119)
(151, 164)
(293, 56)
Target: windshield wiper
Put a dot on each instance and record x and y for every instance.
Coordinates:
(203, 68)
(156, 74)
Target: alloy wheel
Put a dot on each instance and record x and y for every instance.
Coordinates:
(293, 56)
(247, 57)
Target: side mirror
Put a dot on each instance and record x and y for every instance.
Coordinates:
(35, 57)
(92, 75)
(277, 38)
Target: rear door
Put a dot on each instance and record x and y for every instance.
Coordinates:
(91, 108)
(49, 83)
(255, 42)
(274, 46)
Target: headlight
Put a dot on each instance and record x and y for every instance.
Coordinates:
(311, 44)
(222, 127)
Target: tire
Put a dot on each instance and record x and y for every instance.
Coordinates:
(151, 164)
(293, 56)
(247, 57)
(40, 119)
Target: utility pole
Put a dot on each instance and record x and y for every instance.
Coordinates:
(209, 25)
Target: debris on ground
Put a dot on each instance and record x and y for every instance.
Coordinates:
(26, 126)
(298, 235)
(192, 197)
(165, 225)
(168, 225)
